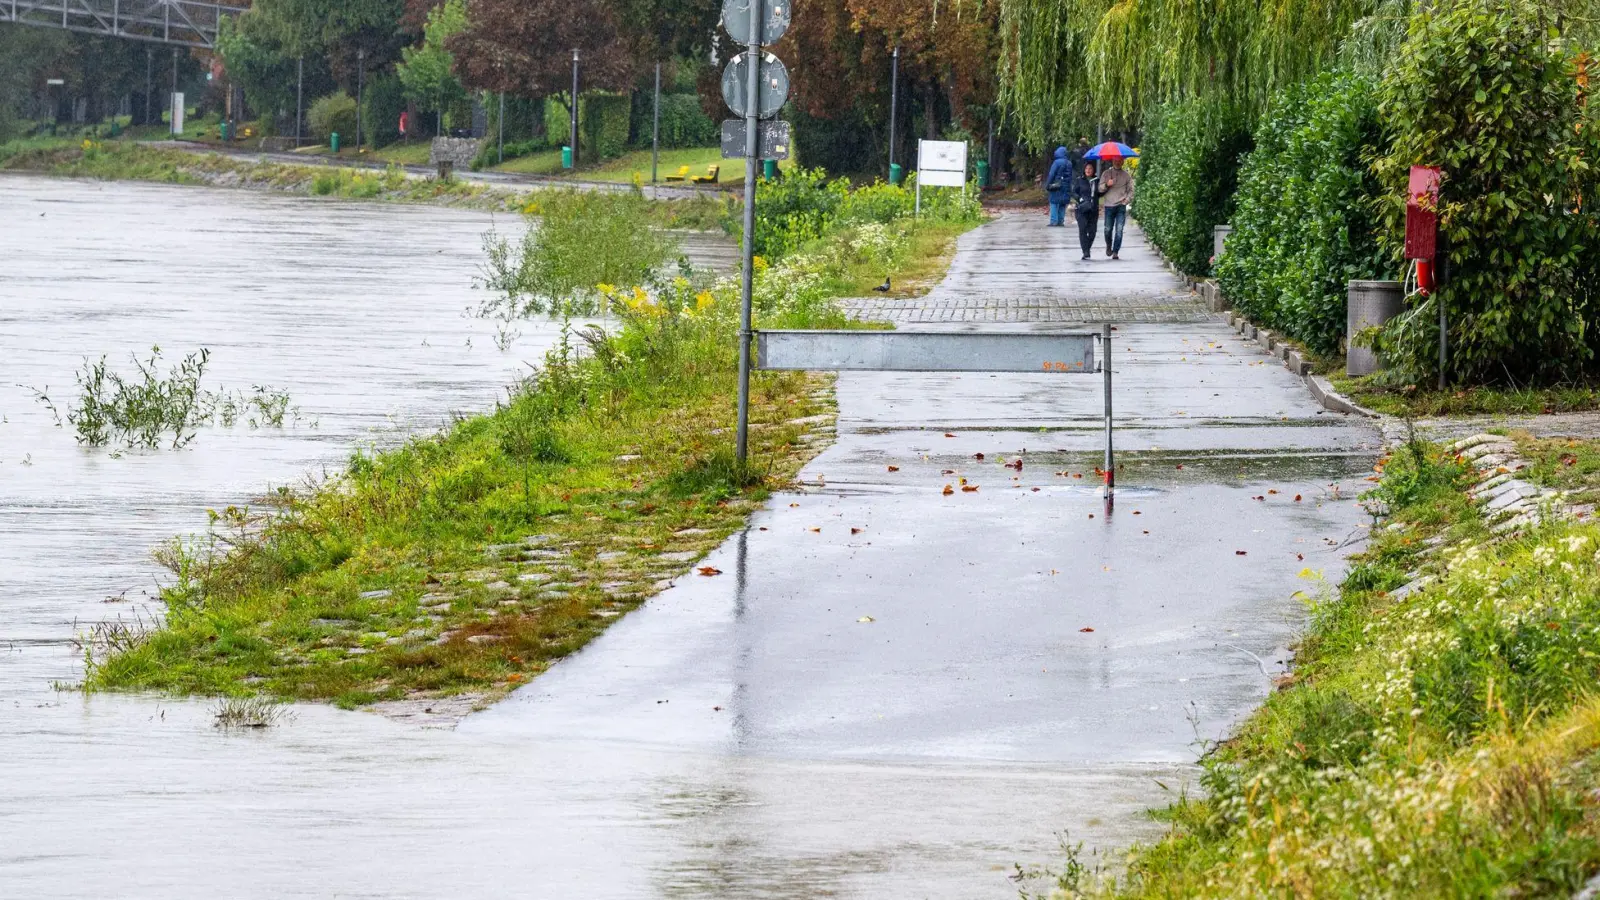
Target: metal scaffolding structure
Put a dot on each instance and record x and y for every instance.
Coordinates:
(185, 23)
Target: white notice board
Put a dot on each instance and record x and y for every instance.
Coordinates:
(177, 113)
(942, 163)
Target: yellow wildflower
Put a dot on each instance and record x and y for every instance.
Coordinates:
(758, 263)
(703, 300)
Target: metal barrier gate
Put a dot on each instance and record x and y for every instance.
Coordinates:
(1064, 353)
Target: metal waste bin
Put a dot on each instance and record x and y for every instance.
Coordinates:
(1371, 304)
(983, 173)
(896, 173)
(333, 141)
(769, 169)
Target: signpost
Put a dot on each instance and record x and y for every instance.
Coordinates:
(755, 85)
(1060, 353)
(940, 164)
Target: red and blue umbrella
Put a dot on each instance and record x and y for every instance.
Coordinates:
(1112, 150)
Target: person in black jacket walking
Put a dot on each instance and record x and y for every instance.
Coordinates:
(1086, 197)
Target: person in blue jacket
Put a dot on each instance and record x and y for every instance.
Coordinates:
(1059, 185)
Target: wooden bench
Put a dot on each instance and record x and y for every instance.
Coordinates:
(710, 177)
(683, 174)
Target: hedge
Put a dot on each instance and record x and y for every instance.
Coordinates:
(1187, 178)
(603, 120)
(1305, 222)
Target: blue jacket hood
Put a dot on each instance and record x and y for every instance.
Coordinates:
(1061, 153)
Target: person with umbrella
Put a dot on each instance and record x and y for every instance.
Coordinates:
(1116, 191)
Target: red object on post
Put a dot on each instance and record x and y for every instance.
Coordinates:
(1422, 223)
(1422, 213)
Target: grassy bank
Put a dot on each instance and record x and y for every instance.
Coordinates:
(464, 563)
(1419, 401)
(1441, 741)
(122, 160)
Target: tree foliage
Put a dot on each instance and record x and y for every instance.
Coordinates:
(1488, 90)
(428, 71)
(525, 47)
(1305, 219)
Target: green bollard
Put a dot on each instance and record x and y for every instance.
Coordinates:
(333, 141)
(566, 157)
(896, 174)
(769, 169)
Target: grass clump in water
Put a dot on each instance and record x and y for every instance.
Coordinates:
(148, 410)
(1438, 742)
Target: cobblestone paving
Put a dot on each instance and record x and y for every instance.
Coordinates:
(1017, 270)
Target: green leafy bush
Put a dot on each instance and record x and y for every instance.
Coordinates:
(683, 122)
(558, 267)
(1482, 89)
(333, 114)
(1187, 178)
(804, 205)
(602, 124)
(1306, 219)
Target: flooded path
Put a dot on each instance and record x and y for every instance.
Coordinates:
(920, 754)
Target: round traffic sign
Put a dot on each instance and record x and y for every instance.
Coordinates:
(774, 19)
(772, 85)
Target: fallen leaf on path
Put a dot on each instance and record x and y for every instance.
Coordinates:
(894, 468)
(1239, 553)
(709, 570)
(816, 530)
(948, 490)
(977, 456)
(1180, 465)
(1137, 513)
(1036, 490)
(1260, 498)
(948, 434)
(969, 488)
(866, 619)
(1272, 492)
(855, 531)
(792, 505)
(1085, 630)
(948, 472)
(1300, 557)
(1297, 498)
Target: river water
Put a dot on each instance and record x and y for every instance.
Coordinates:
(892, 694)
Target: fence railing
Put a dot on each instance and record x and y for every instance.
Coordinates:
(185, 23)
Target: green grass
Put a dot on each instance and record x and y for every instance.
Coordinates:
(1444, 743)
(1418, 401)
(634, 166)
(1565, 464)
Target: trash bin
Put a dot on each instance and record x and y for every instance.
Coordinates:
(1372, 303)
(983, 173)
(769, 169)
(896, 174)
(566, 157)
(222, 130)
(333, 141)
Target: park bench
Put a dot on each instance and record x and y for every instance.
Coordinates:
(710, 177)
(683, 174)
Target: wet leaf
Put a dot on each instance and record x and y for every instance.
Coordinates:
(1137, 513)
(815, 530)
(865, 619)
(709, 571)
(948, 472)
(793, 505)
(894, 468)
(1272, 492)
(1085, 630)
(969, 488)
(1300, 557)
(1036, 490)
(948, 434)
(977, 456)
(1239, 553)
(855, 531)
(1180, 465)
(1260, 498)
(1297, 498)
(948, 490)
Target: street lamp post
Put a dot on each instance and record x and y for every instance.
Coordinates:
(574, 141)
(299, 97)
(361, 73)
(149, 80)
(655, 130)
(501, 139)
(173, 121)
(894, 102)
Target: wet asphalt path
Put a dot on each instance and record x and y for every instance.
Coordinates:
(1024, 646)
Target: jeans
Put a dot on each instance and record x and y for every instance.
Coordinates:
(1058, 213)
(1116, 220)
(1087, 219)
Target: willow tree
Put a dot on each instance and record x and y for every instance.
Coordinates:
(1071, 63)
